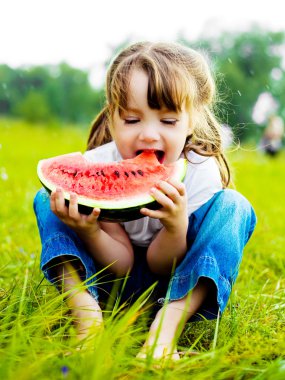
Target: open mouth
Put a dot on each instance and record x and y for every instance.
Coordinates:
(159, 153)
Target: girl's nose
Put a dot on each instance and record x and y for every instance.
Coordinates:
(149, 134)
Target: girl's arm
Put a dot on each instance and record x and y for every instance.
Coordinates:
(110, 244)
(166, 251)
(107, 243)
(170, 245)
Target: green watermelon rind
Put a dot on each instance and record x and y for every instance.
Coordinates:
(119, 210)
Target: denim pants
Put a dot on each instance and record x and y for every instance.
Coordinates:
(217, 234)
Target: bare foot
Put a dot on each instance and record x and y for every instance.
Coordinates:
(169, 322)
(161, 339)
(159, 352)
(87, 315)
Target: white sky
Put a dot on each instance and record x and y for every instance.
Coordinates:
(83, 32)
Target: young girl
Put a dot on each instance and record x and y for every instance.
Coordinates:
(158, 97)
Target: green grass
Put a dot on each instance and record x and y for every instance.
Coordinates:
(249, 341)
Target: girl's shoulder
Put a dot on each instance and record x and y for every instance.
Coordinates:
(202, 172)
(202, 180)
(104, 153)
(198, 163)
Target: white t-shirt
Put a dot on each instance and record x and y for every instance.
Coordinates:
(202, 181)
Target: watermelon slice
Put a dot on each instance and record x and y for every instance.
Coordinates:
(119, 189)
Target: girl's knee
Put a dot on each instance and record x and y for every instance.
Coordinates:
(232, 199)
(41, 198)
(238, 206)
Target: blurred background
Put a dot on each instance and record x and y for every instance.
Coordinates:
(54, 55)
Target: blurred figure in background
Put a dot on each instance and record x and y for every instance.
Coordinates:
(271, 142)
(227, 136)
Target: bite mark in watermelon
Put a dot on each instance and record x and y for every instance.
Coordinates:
(119, 189)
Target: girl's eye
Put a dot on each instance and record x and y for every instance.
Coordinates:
(169, 121)
(131, 121)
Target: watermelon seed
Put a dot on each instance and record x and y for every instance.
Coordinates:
(117, 174)
(133, 172)
(98, 173)
(126, 174)
(140, 172)
(103, 174)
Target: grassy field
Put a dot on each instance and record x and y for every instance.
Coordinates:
(247, 343)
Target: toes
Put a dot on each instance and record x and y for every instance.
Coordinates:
(159, 353)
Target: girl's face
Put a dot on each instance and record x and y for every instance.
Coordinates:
(141, 128)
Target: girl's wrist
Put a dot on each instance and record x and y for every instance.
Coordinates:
(87, 234)
(177, 229)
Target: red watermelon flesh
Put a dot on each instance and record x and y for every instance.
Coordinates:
(115, 185)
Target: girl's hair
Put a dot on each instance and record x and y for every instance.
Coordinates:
(177, 75)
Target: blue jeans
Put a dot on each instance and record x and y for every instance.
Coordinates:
(217, 234)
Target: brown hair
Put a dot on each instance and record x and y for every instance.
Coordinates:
(177, 75)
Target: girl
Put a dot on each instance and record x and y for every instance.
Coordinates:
(158, 96)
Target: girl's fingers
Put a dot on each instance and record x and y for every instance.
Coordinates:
(169, 190)
(73, 207)
(161, 197)
(152, 213)
(179, 186)
(52, 201)
(59, 202)
(93, 216)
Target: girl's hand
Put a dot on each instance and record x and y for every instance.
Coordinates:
(172, 196)
(86, 224)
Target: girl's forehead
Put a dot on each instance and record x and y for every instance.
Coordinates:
(138, 84)
(154, 86)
